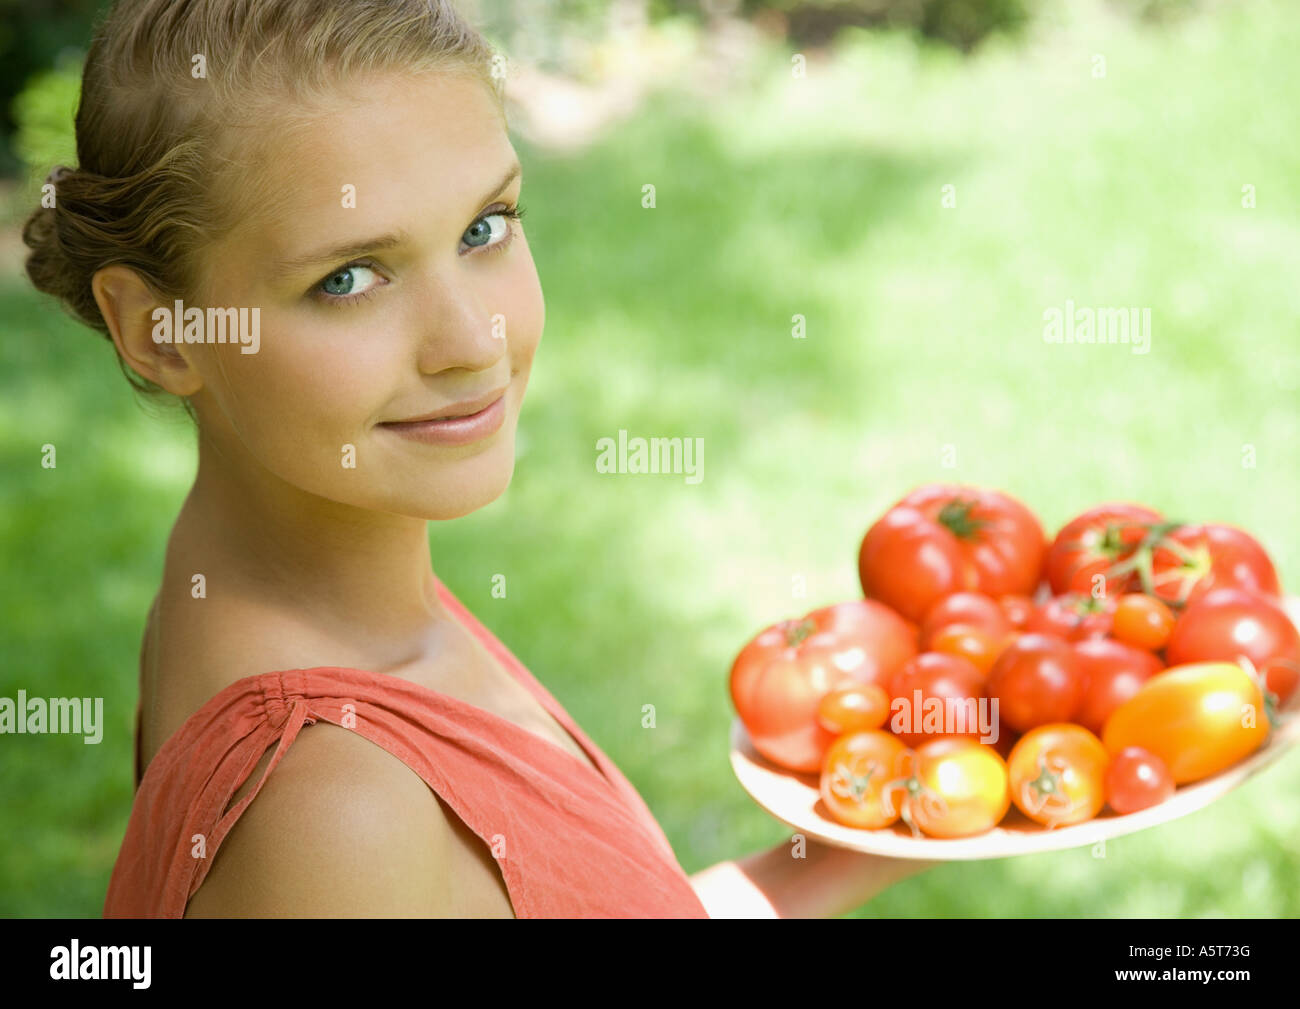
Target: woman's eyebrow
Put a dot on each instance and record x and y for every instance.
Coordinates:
(352, 250)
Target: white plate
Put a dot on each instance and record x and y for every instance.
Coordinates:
(794, 799)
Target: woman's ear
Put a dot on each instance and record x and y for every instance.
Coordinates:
(133, 313)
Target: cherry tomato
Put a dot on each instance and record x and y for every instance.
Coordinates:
(930, 692)
(969, 609)
(1192, 560)
(972, 643)
(857, 708)
(1036, 680)
(944, 538)
(1073, 616)
(1228, 623)
(1137, 779)
(1017, 609)
(1057, 774)
(1112, 673)
(1143, 621)
(958, 788)
(858, 768)
(1280, 678)
(1198, 718)
(780, 677)
(1090, 544)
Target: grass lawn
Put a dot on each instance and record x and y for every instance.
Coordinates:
(924, 359)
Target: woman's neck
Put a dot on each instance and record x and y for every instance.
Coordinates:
(363, 575)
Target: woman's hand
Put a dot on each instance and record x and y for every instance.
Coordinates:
(800, 878)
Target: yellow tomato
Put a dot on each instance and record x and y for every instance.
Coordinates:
(1058, 774)
(958, 788)
(1198, 718)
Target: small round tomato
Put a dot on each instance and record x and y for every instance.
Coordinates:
(1073, 616)
(1136, 779)
(1058, 774)
(930, 692)
(958, 788)
(1228, 623)
(858, 768)
(856, 708)
(973, 643)
(1017, 609)
(1143, 621)
(1112, 673)
(1198, 718)
(1280, 678)
(1035, 680)
(969, 609)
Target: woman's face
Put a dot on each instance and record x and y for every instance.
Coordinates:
(436, 302)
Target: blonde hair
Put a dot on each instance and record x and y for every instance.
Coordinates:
(170, 89)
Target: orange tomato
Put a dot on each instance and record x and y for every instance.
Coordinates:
(1058, 774)
(858, 770)
(854, 708)
(1198, 718)
(958, 788)
(973, 643)
(1143, 621)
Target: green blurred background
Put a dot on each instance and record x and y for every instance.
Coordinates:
(776, 196)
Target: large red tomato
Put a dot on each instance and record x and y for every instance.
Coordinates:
(780, 677)
(945, 538)
(1036, 680)
(1091, 543)
(928, 691)
(1225, 624)
(1112, 673)
(1195, 559)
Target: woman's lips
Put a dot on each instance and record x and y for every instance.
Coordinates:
(454, 430)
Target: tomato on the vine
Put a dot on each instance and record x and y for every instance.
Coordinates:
(1091, 543)
(944, 538)
(979, 646)
(1191, 560)
(1057, 774)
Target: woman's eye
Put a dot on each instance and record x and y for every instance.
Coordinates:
(350, 280)
(488, 230)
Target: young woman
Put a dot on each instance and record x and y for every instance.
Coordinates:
(300, 220)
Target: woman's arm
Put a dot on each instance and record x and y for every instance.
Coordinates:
(826, 883)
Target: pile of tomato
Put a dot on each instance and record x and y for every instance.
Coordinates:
(987, 665)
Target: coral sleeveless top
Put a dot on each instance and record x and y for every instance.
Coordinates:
(577, 843)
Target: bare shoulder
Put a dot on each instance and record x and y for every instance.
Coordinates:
(343, 828)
